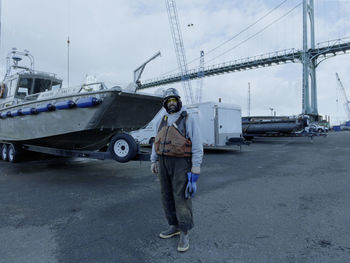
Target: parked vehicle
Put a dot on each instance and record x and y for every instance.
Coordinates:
(220, 125)
(315, 127)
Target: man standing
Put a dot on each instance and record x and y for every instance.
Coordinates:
(178, 148)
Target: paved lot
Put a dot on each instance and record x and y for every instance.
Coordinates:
(279, 200)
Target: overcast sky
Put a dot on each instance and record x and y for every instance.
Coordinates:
(110, 38)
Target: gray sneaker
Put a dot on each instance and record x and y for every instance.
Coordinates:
(184, 242)
(170, 232)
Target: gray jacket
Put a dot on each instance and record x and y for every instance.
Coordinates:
(192, 133)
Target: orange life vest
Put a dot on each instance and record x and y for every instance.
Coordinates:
(171, 140)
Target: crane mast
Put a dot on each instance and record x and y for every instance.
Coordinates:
(179, 49)
(346, 102)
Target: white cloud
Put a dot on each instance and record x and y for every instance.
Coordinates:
(110, 38)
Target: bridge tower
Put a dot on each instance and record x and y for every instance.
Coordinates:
(309, 106)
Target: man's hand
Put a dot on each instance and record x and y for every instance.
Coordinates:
(154, 168)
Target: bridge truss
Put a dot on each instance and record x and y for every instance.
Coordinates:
(323, 51)
(310, 56)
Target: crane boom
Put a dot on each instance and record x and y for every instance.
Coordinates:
(346, 102)
(179, 49)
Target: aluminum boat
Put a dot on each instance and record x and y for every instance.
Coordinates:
(36, 110)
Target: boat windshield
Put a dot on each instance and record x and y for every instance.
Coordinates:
(29, 86)
(56, 85)
(24, 87)
(41, 85)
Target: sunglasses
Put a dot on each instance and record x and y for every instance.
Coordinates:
(171, 100)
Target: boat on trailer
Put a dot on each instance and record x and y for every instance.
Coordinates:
(36, 111)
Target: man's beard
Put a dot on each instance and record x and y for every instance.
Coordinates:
(172, 108)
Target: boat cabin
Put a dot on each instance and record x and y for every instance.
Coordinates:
(28, 85)
(23, 83)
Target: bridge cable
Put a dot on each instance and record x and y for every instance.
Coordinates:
(260, 31)
(236, 35)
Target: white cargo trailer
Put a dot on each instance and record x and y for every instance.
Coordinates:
(220, 125)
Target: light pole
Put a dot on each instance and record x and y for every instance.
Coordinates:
(271, 109)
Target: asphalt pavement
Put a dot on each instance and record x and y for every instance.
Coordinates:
(278, 200)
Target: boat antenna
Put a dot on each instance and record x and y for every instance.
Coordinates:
(68, 42)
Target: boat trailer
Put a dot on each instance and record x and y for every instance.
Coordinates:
(122, 148)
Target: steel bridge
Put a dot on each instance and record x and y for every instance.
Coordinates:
(323, 50)
(310, 56)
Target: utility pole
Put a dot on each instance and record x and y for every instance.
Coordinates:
(248, 98)
(68, 42)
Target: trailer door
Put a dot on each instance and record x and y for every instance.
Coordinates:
(227, 125)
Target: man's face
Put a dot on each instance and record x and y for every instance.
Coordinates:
(172, 104)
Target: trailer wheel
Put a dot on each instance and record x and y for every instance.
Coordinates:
(4, 152)
(13, 153)
(123, 147)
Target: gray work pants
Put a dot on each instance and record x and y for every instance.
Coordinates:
(173, 181)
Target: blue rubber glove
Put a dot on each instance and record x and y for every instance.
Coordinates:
(188, 190)
(191, 187)
(194, 185)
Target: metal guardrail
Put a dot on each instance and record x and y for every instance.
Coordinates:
(333, 47)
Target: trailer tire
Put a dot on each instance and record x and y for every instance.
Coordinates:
(13, 153)
(123, 147)
(4, 149)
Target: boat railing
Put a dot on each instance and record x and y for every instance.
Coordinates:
(26, 71)
(91, 86)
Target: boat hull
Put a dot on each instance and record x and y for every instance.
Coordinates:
(272, 127)
(87, 128)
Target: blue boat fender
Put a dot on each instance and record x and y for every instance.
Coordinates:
(3, 115)
(87, 102)
(15, 113)
(29, 111)
(67, 104)
(45, 107)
